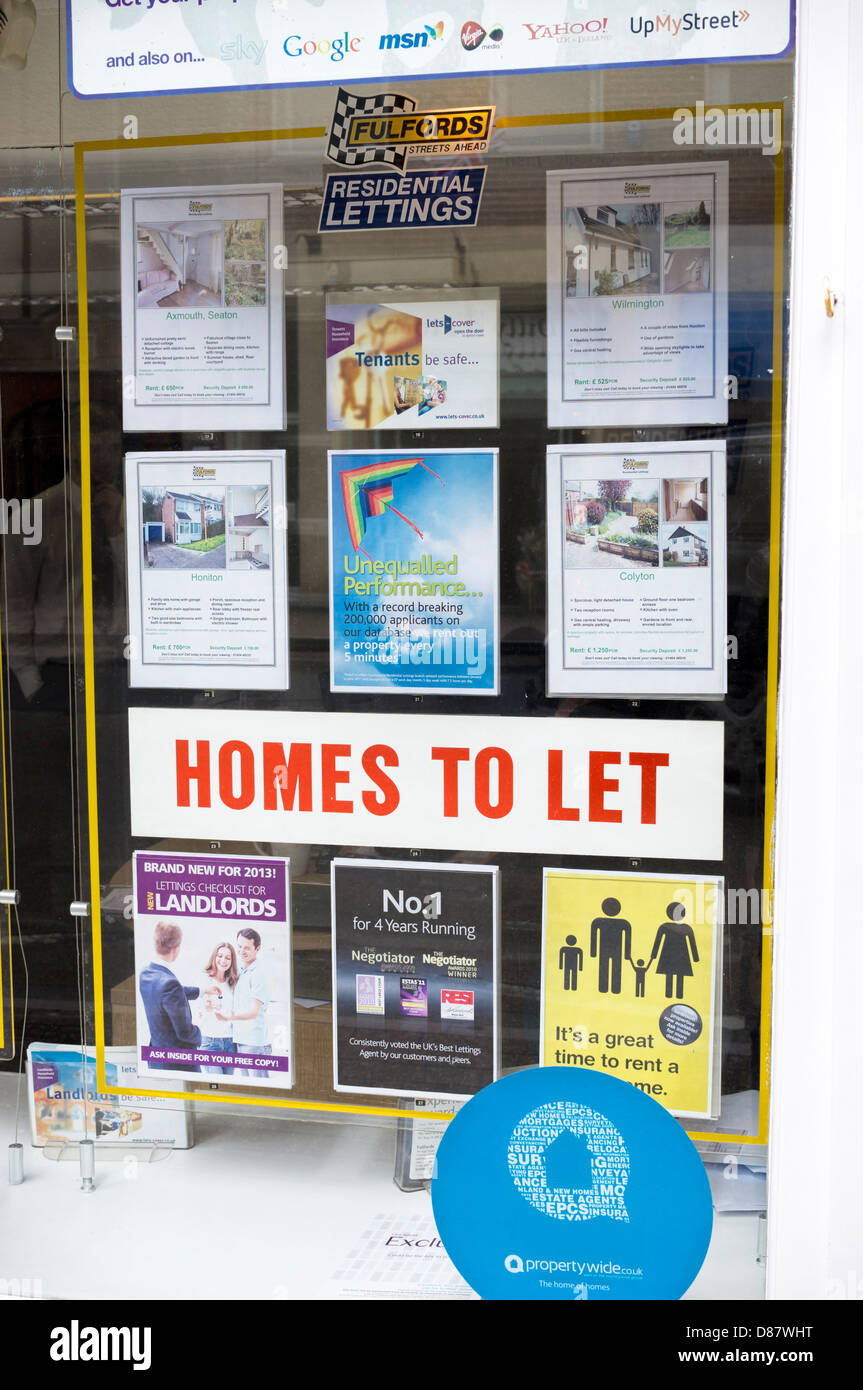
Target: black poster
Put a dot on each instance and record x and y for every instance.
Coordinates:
(414, 977)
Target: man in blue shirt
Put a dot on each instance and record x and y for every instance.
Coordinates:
(251, 999)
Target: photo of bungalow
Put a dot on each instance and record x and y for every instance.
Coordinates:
(183, 530)
(179, 264)
(684, 545)
(248, 528)
(684, 499)
(612, 250)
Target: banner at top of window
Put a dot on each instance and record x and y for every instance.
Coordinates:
(145, 47)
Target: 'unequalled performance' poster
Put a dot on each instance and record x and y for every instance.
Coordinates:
(414, 977)
(203, 308)
(213, 969)
(207, 557)
(636, 569)
(637, 295)
(430, 365)
(414, 571)
(631, 970)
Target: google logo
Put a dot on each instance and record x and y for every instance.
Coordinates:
(334, 49)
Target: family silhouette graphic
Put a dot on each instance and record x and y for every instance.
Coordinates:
(674, 950)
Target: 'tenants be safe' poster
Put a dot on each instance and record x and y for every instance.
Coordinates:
(414, 977)
(631, 971)
(213, 969)
(636, 569)
(637, 295)
(203, 308)
(207, 558)
(430, 365)
(414, 571)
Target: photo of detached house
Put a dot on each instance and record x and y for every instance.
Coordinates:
(684, 499)
(183, 529)
(611, 523)
(179, 264)
(612, 250)
(685, 545)
(248, 528)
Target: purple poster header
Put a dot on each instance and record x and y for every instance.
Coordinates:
(235, 888)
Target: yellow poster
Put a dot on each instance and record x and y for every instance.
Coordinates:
(630, 968)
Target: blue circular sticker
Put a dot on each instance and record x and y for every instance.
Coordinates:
(555, 1183)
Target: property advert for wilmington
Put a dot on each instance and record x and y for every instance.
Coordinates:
(414, 977)
(630, 972)
(412, 365)
(201, 315)
(414, 571)
(207, 561)
(637, 569)
(213, 969)
(637, 310)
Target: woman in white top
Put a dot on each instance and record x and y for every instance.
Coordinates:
(217, 993)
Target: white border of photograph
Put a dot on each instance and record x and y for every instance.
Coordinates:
(199, 675)
(630, 681)
(622, 411)
(209, 415)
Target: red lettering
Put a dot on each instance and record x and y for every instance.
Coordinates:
(450, 757)
(481, 783)
(386, 804)
(332, 776)
(187, 772)
(237, 801)
(648, 762)
(292, 775)
(600, 784)
(556, 808)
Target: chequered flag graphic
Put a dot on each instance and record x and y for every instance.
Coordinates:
(348, 106)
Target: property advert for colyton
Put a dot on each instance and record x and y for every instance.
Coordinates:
(414, 571)
(414, 977)
(636, 569)
(207, 559)
(213, 969)
(637, 295)
(203, 319)
(406, 365)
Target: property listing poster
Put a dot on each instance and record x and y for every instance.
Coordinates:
(429, 365)
(67, 1106)
(637, 295)
(414, 571)
(213, 969)
(203, 308)
(206, 546)
(637, 569)
(414, 977)
(631, 970)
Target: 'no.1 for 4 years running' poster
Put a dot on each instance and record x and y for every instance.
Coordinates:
(414, 571)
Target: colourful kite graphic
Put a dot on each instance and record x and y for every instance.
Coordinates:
(368, 492)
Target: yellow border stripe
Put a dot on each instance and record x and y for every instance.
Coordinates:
(318, 132)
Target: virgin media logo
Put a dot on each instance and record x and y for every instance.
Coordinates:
(473, 34)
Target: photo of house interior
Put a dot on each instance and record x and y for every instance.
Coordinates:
(684, 499)
(179, 264)
(248, 528)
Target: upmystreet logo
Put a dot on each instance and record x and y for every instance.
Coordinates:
(688, 23)
(732, 126)
(77, 1343)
